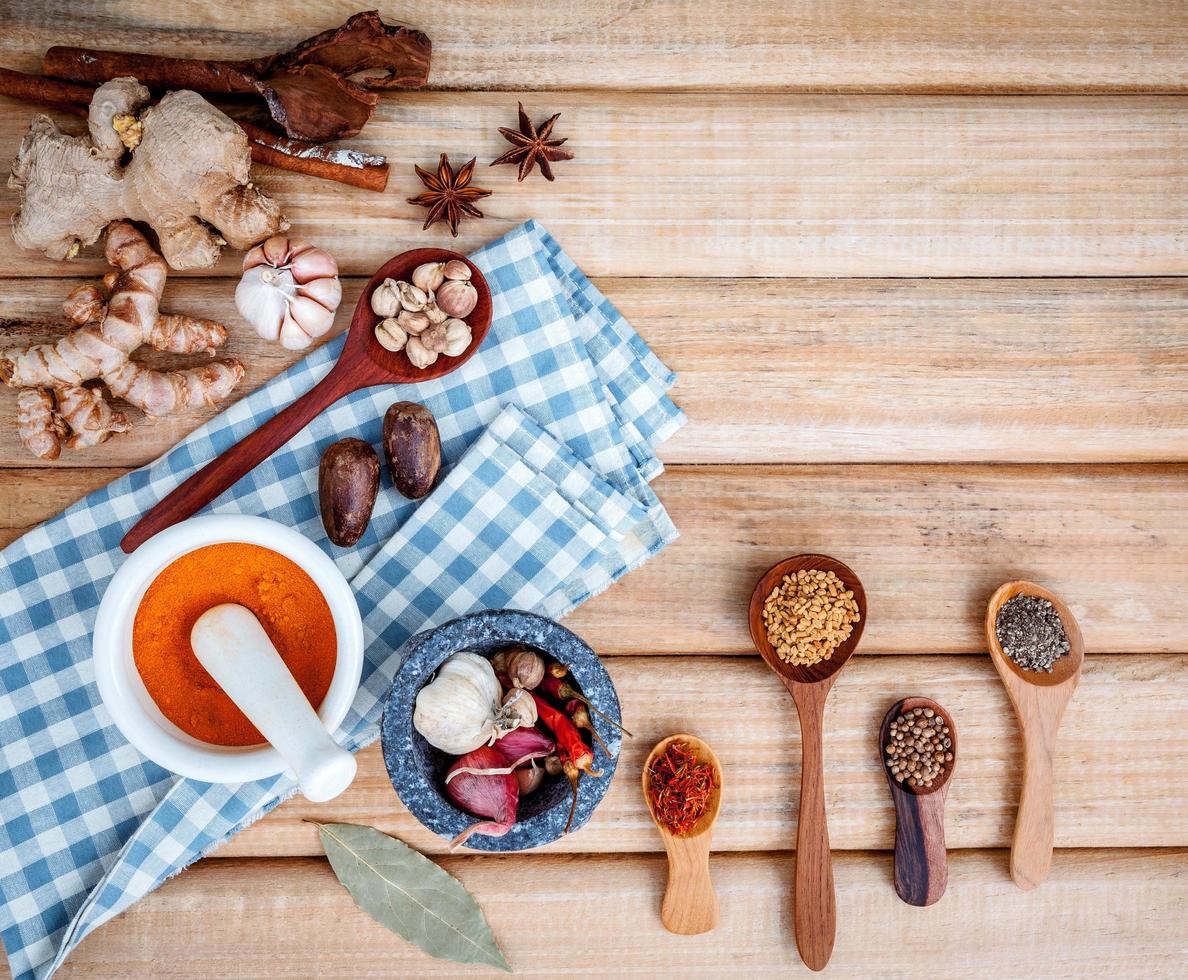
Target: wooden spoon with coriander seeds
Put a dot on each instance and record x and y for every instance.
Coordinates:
(815, 905)
(921, 860)
(690, 906)
(362, 363)
(1039, 699)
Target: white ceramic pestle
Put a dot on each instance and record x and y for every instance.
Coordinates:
(231, 644)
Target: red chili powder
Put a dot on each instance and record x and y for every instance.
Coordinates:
(290, 607)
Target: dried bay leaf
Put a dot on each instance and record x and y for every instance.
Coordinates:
(410, 895)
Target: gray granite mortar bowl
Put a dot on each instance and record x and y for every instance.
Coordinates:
(417, 769)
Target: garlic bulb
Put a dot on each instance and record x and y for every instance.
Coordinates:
(412, 323)
(289, 291)
(456, 269)
(459, 710)
(458, 336)
(420, 355)
(525, 668)
(519, 704)
(434, 338)
(385, 301)
(429, 276)
(457, 297)
(390, 335)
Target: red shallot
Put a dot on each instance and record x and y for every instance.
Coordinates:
(482, 783)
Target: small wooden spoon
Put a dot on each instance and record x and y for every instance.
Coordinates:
(815, 906)
(690, 906)
(1039, 699)
(362, 363)
(921, 861)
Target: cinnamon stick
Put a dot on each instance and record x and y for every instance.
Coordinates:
(366, 170)
(343, 166)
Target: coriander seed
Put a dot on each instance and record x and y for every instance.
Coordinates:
(919, 748)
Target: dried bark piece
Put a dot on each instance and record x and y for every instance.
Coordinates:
(323, 89)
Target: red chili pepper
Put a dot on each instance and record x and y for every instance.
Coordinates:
(570, 745)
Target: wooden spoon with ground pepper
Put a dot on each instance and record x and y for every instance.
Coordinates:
(814, 905)
(1039, 699)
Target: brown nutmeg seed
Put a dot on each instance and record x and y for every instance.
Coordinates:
(412, 448)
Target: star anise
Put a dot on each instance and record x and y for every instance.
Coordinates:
(450, 195)
(531, 146)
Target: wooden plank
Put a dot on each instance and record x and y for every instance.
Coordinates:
(763, 185)
(931, 543)
(831, 45)
(1102, 797)
(890, 370)
(292, 919)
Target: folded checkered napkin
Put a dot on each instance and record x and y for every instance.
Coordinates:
(549, 433)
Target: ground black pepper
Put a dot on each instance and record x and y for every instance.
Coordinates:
(1031, 633)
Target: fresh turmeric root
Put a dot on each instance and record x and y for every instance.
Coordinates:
(115, 319)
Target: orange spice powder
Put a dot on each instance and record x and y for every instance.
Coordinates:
(290, 607)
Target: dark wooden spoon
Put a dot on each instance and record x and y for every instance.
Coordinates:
(361, 364)
(921, 860)
(815, 906)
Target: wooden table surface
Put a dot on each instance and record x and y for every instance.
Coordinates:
(920, 267)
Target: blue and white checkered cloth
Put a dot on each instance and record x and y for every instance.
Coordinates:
(550, 431)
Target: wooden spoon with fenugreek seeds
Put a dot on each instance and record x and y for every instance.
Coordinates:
(814, 906)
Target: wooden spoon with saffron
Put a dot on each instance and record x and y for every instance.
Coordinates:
(1039, 699)
(814, 903)
(690, 906)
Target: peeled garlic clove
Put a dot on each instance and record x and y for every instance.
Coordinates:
(456, 269)
(434, 338)
(411, 298)
(457, 298)
(385, 301)
(435, 313)
(412, 323)
(390, 335)
(429, 276)
(458, 337)
(419, 354)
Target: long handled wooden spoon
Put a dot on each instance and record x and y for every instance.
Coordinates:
(690, 905)
(921, 861)
(815, 906)
(1039, 699)
(362, 363)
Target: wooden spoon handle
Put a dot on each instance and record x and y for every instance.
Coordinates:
(690, 906)
(1031, 851)
(921, 864)
(220, 473)
(815, 911)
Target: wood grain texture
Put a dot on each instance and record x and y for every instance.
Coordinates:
(931, 543)
(739, 708)
(764, 185)
(891, 370)
(831, 45)
(291, 918)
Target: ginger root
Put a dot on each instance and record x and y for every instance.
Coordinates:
(188, 178)
(115, 319)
